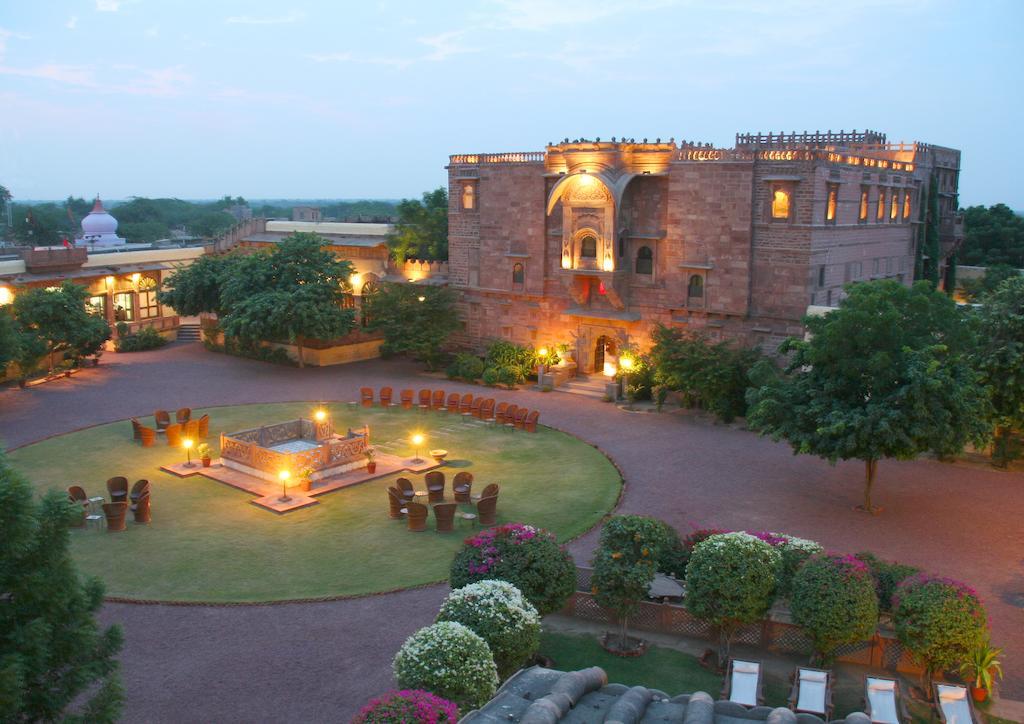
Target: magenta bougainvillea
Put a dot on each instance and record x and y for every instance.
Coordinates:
(408, 706)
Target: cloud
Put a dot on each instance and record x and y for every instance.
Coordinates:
(443, 46)
(541, 15)
(157, 82)
(72, 22)
(5, 34)
(108, 6)
(293, 17)
(75, 75)
(330, 57)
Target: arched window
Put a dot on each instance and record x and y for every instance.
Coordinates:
(644, 260)
(368, 290)
(518, 273)
(468, 197)
(780, 203)
(695, 289)
(588, 247)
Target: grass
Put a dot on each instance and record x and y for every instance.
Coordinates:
(207, 542)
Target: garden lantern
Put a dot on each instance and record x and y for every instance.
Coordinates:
(283, 476)
(187, 444)
(417, 441)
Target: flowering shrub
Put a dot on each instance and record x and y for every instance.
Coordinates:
(409, 706)
(697, 535)
(887, 576)
(529, 558)
(498, 613)
(793, 552)
(449, 660)
(941, 621)
(730, 581)
(834, 601)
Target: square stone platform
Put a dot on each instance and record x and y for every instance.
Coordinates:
(269, 494)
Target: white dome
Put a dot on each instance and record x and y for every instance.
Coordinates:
(98, 221)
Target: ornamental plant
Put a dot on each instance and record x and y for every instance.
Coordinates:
(450, 661)
(527, 557)
(941, 621)
(834, 601)
(730, 581)
(498, 612)
(793, 552)
(409, 706)
(625, 563)
(697, 535)
(887, 576)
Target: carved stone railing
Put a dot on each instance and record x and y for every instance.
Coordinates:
(514, 157)
(250, 448)
(815, 138)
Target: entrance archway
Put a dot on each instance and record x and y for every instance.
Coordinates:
(604, 345)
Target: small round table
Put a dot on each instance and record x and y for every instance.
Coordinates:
(468, 517)
(439, 456)
(420, 494)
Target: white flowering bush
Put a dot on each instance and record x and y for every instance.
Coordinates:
(498, 612)
(793, 552)
(449, 660)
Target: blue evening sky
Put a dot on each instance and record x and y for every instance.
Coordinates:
(367, 100)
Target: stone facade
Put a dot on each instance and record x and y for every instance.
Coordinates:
(591, 243)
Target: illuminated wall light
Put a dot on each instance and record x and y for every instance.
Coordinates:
(109, 281)
(566, 262)
(609, 369)
(136, 277)
(609, 265)
(6, 295)
(356, 280)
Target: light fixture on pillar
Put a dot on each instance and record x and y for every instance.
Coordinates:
(283, 477)
(417, 442)
(187, 444)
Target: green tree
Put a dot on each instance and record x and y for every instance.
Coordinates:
(883, 376)
(992, 235)
(143, 232)
(52, 652)
(41, 224)
(421, 231)
(10, 338)
(977, 289)
(209, 224)
(294, 293)
(932, 252)
(415, 320)
(999, 359)
(58, 319)
(196, 288)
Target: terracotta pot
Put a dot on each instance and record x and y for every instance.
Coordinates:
(206, 462)
(371, 467)
(978, 693)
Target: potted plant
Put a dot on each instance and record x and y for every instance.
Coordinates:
(203, 450)
(307, 479)
(371, 464)
(980, 667)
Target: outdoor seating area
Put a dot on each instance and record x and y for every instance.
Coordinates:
(472, 407)
(183, 428)
(413, 503)
(113, 513)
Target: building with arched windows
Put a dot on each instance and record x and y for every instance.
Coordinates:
(592, 243)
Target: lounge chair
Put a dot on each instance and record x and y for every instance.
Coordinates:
(183, 415)
(520, 417)
(115, 513)
(191, 430)
(812, 692)
(140, 488)
(453, 402)
(406, 398)
(487, 510)
(435, 486)
(118, 489)
(406, 489)
(465, 402)
(744, 683)
(444, 517)
(437, 400)
(162, 419)
(173, 433)
(136, 429)
(425, 399)
(487, 409)
(462, 486)
(204, 427)
(396, 504)
(500, 413)
(530, 423)
(140, 508)
(385, 396)
(954, 704)
(882, 701)
(366, 396)
(148, 436)
(417, 517)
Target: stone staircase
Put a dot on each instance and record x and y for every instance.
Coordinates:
(592, 387)
(189, 333)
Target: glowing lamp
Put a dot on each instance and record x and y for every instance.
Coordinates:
(609, 369)
(187, 444)
(566, 262)
(135, 278)
(319, 415)
(5, 295)
(421, 298)
(283, 477)
(609, 265)
(542, 352)
(109, 281)
(626, 363)
(356, 280)
(417, 442)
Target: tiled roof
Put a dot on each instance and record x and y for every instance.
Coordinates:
(544, 696)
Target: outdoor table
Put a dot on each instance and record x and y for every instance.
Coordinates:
(420, 493)
(469, 517)
(96, 503)
(439, 455)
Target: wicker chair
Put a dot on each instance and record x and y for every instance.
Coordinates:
(140, 488)
(444, 517)
(117, 487)
(437, 400)
(140, 508)
(491, 489)
(487, 409)
(183, 415)
(406, 397)
(396, 505)
(162, 418)
(204, 427)
(474, 406)
(465, 403)
(173, 433)
(520, 417)
(462, 486)
(510, 416)
(406, 489)
(417, 517)
(435, 486)
(453, 402)
(530, 423)
(487, 510)
(425, 399)
(76, 494)
(136, 429)
(116, 514)
(366, 396)
(191, 430)
(385, 396)
(148, 436)
(500, 413)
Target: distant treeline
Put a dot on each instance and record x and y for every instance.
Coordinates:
(367, 210)
(992, 235)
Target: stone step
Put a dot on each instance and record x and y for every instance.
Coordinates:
(189, 333)
(593, 388)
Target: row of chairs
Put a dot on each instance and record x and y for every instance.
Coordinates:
(163, 417)
(121, 501)
(401, 502)
(812, 694)
(482, 408)
(175, 432)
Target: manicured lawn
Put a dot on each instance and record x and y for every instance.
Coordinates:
(207, 542)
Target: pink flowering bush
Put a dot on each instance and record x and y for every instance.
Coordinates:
(527, 557)
(793, 552)
(409, 706)
(833, 599)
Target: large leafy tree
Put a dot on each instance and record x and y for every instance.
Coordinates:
(196, 288)
(999, 359)
(53, 654)
(992, 235)
(10, 338)
(883, 376)
(415, 320)
(979, 288)
(421, 231)
(58, 321)
(295, 292)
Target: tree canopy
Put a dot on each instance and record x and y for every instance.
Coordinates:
(992, 235)
(421, 231)
(883, 376)
(195, 289)
(56, 321)
(415, 320)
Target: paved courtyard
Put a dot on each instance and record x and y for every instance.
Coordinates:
(321, 661)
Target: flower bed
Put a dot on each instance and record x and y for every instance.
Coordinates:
(409, 706)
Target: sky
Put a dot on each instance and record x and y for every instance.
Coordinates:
(367, 100)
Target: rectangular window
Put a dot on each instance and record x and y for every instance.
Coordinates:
(894, 206)
(148, 306)
(831, 203)
(780, 203)
(880, 212)
(862, 214)
(821, 276)
(874, 267)
(97, 305)
(906, 205)
(124, 307)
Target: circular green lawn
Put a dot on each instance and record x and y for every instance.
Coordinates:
(207, 542)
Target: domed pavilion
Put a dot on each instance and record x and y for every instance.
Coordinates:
(99, 228)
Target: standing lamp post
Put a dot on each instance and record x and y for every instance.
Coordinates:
(417, 441)
(284, 475)
(542, 356)
(187, 443)
(626, 364)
